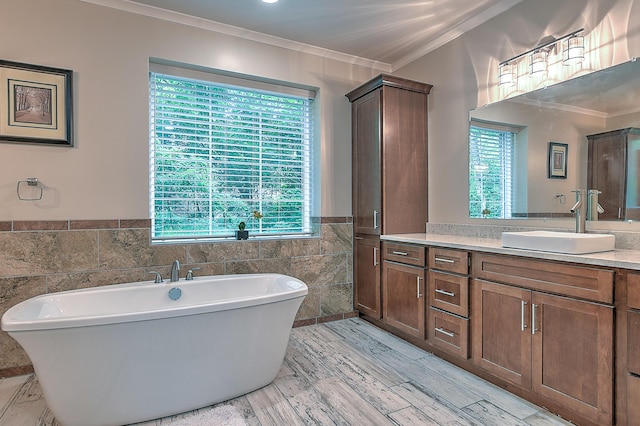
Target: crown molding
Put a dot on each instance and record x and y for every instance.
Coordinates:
(205, 24)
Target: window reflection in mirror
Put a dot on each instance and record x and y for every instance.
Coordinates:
(492, 169)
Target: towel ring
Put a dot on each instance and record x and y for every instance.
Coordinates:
(29, 182)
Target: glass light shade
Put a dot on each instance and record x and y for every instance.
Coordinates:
(538, 62)
(507, 75)
(573, 50)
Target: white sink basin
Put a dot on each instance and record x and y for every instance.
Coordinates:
(559, 242)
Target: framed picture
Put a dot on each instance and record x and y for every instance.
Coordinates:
(35, 104)
(557, 166)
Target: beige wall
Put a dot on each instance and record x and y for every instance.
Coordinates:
(464, 75)
(106, 175)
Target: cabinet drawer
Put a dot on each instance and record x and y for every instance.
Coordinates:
(449, 260)
(633, 342)
(449, 332)
(404, 253)
(449, 292)
(553, 277)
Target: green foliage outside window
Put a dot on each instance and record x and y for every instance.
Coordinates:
(219, 153)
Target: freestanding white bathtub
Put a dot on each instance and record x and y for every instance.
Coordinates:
(127, 353)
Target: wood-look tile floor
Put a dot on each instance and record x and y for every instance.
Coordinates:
(344, 373)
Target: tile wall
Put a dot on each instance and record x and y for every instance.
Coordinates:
(38, 257)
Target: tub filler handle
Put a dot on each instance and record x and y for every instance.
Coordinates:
(158, 279)
(189, 276)
(175, 293)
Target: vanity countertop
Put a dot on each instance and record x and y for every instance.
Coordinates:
(627, 259)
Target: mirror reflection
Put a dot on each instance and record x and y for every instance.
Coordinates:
(528, 153)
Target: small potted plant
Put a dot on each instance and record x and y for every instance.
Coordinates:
(241, 233)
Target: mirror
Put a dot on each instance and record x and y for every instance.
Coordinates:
(553, 124)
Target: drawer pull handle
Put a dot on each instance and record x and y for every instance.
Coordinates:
(446, 293)
(400, 253)
(443, 260)
(443, 331)
(523, 324)
(419, 295)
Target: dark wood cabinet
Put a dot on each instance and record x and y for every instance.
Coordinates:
(403, 295)
(501, 331)
(366, 172)
(558, 347)
(366, 265)
(448, 317)
(628, 400)
(389, 172)
(614, 169)
(389, 142)
(573, 354)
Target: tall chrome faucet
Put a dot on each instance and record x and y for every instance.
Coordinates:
(175, 269)
(579, 208)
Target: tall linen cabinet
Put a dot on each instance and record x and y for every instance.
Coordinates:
(389, 142)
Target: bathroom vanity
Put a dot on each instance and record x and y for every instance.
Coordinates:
(562, 331)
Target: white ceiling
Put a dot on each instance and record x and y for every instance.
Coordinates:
(391, 32)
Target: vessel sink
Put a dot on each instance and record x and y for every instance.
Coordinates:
(559, 242)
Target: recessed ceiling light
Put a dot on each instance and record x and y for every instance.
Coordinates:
(270, 1)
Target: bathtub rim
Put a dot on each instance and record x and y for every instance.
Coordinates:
(13, 324)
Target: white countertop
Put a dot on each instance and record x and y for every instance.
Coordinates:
(627, 259)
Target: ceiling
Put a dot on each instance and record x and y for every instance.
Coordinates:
(390, 32)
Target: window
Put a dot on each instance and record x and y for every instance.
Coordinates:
(491, 170)
(220, 152)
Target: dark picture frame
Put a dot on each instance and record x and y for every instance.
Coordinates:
(557, 162)
(35, 104)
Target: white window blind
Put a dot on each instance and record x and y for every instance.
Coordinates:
(219, 153)
(491, 169)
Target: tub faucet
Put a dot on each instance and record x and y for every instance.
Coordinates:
(175, 269)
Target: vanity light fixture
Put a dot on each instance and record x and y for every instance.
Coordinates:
(572, 53)
(270, 1)
(538, 61)
(507, 74)
(573, 50)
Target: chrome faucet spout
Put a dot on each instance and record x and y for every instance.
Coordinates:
(175, 269)
(579, 210)
(576, 206)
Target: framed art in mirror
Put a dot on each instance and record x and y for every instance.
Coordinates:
(35, 104)
(557, 165)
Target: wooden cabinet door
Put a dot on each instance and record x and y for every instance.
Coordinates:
(366, 164)
(403, 297)
(366, 277)
(572, 343)
(404, 170)
(607, 173)
(501, 331)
